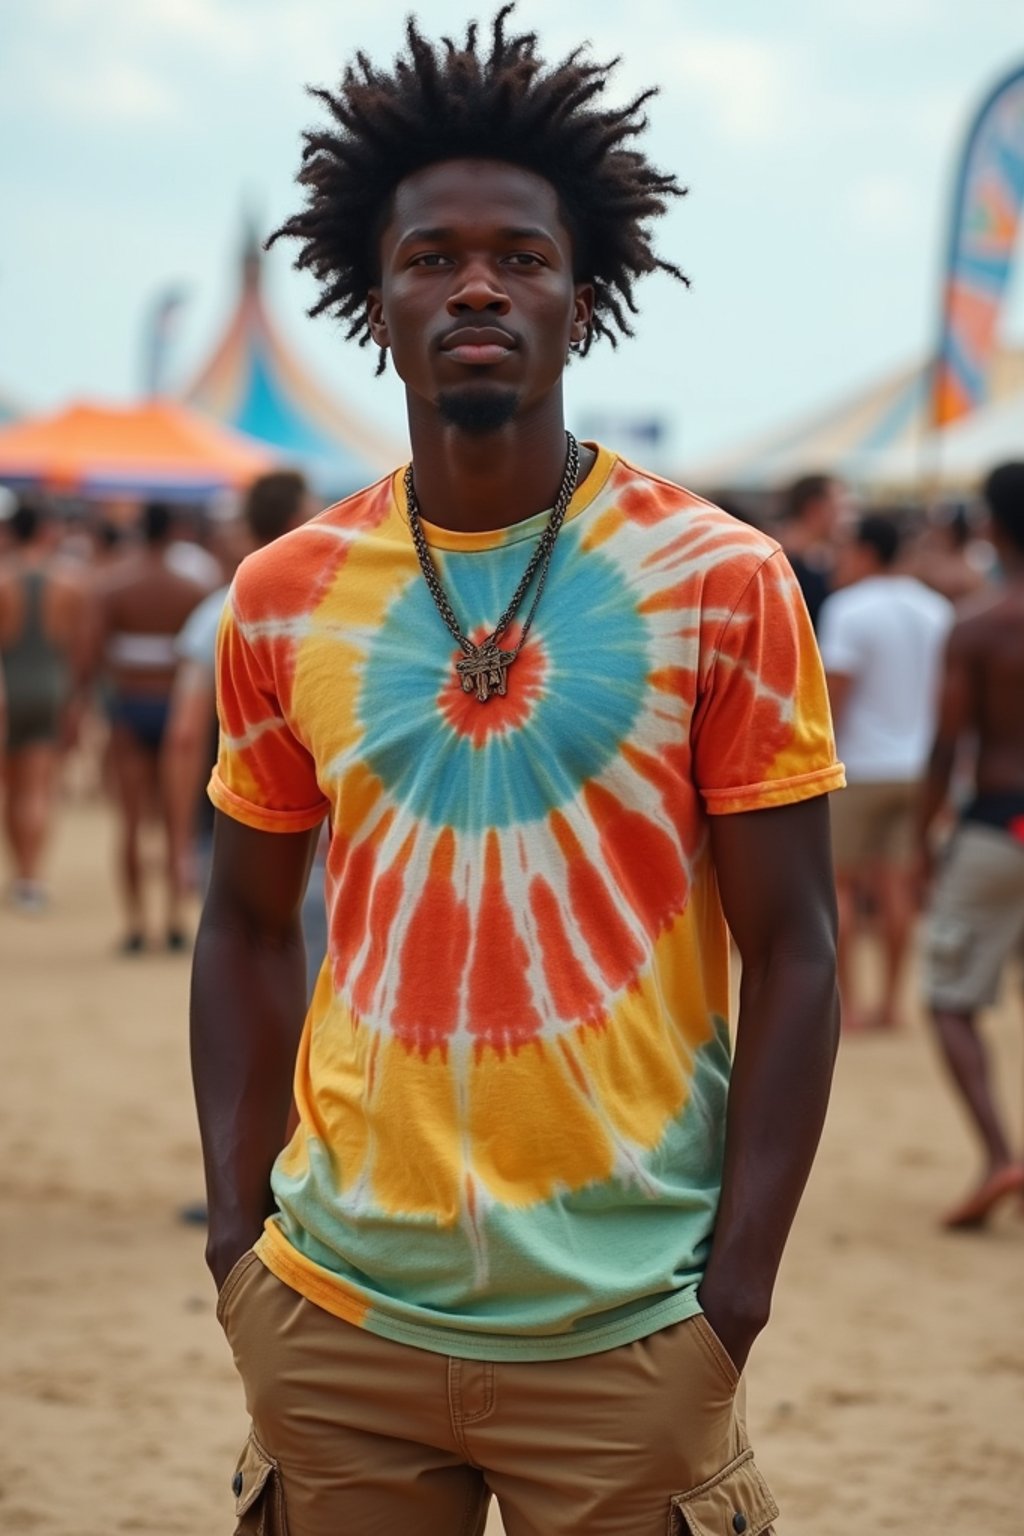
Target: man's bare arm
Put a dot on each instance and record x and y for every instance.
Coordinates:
(248, 1007)
(774, 871)
(840, 685)
(188, 749)
(953, 722)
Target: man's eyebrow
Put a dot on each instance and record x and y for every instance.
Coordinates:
(441, 232)
(424, 235)
(527, 232)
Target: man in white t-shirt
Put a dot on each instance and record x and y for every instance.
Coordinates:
(881, 640)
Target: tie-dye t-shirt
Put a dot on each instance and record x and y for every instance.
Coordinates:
(512, 1081)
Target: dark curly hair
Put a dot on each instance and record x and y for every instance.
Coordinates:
(449, 102)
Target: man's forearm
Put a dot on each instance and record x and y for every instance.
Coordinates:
(935, 787)
(785, 1052)
(248, 993)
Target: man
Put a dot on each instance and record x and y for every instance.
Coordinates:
(977, 915)
(142, 604)
(514, 1244)
(43, 619)
(881, 639)
(812, 515)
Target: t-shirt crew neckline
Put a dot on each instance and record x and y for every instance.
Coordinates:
(514, 533)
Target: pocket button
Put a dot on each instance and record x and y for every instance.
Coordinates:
(238, 1483)
(739, 1522)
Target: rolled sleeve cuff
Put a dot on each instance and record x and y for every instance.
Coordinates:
(263, 818)
(760, 797)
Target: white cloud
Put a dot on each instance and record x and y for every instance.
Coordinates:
(132, 65)
(746, 88)
(110, 90)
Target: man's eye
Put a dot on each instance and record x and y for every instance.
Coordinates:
(524, 259)
(428, 259)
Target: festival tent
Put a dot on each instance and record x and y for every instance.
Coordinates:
(159, 448)
(878, 439)
(957, 457)
(253, 381)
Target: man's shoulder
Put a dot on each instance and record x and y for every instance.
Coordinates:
(866, 596)
(651, 499)
(988, 614)
(284, 573)
(926, 597)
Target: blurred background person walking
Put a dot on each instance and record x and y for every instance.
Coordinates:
(813, 512)
(142, 603)
(881, 640)
(43, 617)
(949, 557)
(977, 915)
(274, 504)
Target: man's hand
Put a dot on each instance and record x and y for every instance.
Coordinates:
(922, 873)
(223, 1251)
(735, 1326)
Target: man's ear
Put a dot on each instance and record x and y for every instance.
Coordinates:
(375, 318)
(583, 314)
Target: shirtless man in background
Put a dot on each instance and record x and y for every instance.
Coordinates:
(977, 914)
(142, 604)
(43, 613)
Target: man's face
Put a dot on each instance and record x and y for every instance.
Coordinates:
(854, 561)
(832, 514)
(477, 302)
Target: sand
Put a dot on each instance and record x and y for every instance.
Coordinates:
(888, 1393)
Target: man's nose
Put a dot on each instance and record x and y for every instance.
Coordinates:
(478, 288)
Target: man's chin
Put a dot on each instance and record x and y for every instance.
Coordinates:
(478, 409)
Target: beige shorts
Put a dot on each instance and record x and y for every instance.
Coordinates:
(872, 821)
(354, 1433)
(977, 918)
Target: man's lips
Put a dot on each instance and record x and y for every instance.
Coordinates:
(480, 345)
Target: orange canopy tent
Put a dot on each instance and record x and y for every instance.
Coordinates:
(158, 448)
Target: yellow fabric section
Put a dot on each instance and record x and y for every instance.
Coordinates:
(328, 1291)
(450, 538)
(567, 1145)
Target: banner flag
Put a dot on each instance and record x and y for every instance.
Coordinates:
(986, 214)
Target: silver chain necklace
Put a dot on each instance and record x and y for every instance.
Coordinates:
(483, 668)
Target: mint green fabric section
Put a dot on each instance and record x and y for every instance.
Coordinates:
(578, 1273)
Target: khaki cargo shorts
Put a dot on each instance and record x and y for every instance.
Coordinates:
(977, 918)
(872, 821)
(354, 1434)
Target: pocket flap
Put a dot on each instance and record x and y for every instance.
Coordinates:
(735, 1502)
(251, 1474)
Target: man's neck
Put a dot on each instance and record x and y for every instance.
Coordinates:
(473, 484)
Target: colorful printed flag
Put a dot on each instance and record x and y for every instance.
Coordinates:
(986, 212)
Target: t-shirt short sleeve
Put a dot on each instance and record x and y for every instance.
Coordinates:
(762, 730)
(840, 630)
(264, 775)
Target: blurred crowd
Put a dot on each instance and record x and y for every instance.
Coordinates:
(108, 626)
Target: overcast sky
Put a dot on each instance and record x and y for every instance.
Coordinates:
(819, 142)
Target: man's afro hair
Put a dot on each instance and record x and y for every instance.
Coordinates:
(447, 102)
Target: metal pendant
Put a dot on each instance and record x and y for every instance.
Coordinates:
(484, 670)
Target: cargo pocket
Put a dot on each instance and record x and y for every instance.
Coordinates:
(259, 1499)
(735, 1502)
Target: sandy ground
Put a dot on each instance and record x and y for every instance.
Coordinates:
(887, 1395)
